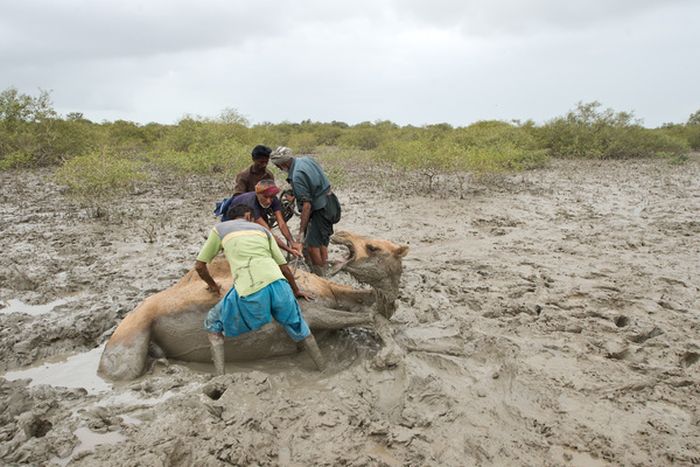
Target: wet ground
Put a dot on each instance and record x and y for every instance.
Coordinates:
(549, 317)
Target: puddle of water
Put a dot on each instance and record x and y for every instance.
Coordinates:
(129, 420)
(88, 440)
(76, 371)
(17, 306)
(80, 371)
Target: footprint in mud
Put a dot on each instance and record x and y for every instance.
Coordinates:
(214, 391)
(622, 321)
(645, 336)
(33, 425)
(542, 428)
(690, 358)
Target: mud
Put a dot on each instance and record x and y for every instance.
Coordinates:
(547, 318)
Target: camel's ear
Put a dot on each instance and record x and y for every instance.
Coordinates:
(401, 251)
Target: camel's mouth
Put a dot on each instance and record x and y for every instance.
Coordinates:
(340, 239)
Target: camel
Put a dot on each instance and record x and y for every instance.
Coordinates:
(170, 323)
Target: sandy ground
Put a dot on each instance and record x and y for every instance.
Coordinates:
(548, 318)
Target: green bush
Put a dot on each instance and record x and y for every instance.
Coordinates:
(589, 132)
(367, 135)
(341, 164)
(16, 160)
(483, 159)
(26, 129)
(222, 160)
(33, 134)
(303, 143)
(100, 174)
(482, 147)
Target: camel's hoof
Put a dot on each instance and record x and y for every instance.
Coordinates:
(389, 357)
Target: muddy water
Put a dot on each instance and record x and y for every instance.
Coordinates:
(548, 318)
(74, 371)
(17, 306)
(88, 440)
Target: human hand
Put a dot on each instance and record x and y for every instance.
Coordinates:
(295, 250)
(216, 288)
(304, 295)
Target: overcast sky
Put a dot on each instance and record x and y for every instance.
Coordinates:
(409, 61)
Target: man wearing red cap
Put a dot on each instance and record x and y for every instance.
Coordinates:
(264, 199)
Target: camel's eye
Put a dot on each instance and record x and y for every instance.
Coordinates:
(372, 249)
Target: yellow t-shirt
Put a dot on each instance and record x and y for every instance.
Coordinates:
(251, 251)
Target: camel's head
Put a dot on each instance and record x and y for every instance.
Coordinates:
(371, 261)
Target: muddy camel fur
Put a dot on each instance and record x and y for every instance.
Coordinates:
(170, 322)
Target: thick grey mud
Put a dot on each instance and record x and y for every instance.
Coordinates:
(551, 317)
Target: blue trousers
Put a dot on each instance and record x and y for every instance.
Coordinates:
(235, 315)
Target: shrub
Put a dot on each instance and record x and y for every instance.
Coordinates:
(16, 160)
(302, 143)
(342, 164)
(367, 135)
(26, 128)
(589, 132)
(219, 160)
(100, 174)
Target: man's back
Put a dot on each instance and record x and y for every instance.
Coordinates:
(309, 182)
(253, 255)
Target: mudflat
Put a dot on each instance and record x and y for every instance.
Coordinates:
(550, 317)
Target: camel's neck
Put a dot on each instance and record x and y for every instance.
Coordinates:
(387, 291)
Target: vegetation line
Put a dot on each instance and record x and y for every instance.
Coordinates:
(94, 159)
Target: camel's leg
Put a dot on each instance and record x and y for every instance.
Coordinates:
(321, 317)
(310, 345)
(349, 295)
(216, 341)
(155, 351)
(317, 269)
(391, 354)
(125, 355)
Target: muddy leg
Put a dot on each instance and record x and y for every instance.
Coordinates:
(315, 353)
(317, 265)
(345, 295)
(317, 269)
(216, 341)
(391, 354)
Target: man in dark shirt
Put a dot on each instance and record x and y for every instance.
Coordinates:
(247, 179)
(263, 200)
(319, 207)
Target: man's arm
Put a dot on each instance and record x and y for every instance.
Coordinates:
(210, 249)
(296, 250)
(304, 193)
(281, 243)
(241, 184)
(203, 271)
(305, 216)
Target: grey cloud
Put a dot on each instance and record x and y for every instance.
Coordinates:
(409, 61)
(83, 30)
(80, 30)
(475, 17)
